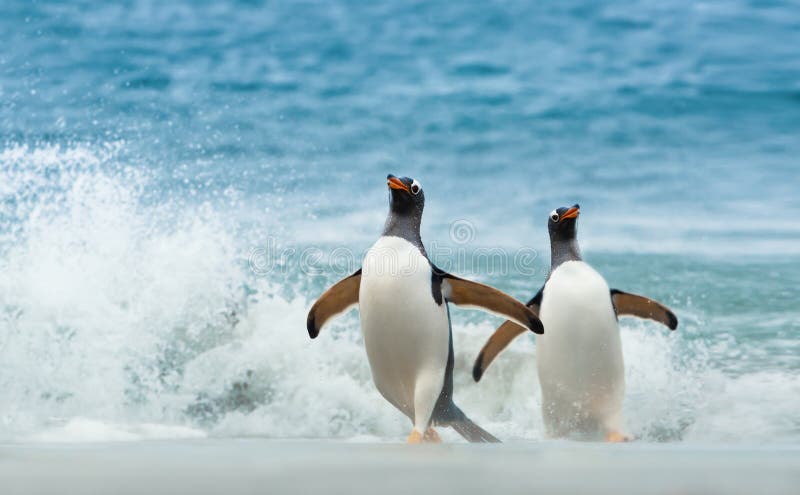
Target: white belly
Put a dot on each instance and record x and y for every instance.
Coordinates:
(406, 334)
(579, 357)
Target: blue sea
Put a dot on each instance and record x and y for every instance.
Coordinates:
(180, 180)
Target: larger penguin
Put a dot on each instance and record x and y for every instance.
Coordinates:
(403, 306)
(579, 359)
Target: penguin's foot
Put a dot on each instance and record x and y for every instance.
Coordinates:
(415, 437)
(616, 437)
(431, 436)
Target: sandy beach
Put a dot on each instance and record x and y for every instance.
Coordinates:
(239, 466)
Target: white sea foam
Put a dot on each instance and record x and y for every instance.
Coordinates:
(87, 430)
(123, 319)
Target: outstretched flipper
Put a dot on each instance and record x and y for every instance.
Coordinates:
(469, 294)
(625, 304)
(334, 301)
(500, 339)
(643, 307)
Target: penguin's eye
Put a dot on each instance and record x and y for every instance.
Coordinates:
(554, 216)
(415, 187)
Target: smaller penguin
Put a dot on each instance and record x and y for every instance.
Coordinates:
(579, 357)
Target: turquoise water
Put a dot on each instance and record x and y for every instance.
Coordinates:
(175, 180)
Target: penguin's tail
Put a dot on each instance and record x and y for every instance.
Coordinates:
(469, 430)
(472, 432)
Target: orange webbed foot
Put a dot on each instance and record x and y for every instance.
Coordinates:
(431, 436)
(415, 437)
(617, 437)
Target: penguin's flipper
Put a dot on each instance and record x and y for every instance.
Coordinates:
(472, 294)
(336, 300)
(643, 307)
(500, 339)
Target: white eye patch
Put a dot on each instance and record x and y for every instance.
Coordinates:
(416, 187)
(554, 216)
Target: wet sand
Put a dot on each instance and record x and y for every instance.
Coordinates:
(244, 466)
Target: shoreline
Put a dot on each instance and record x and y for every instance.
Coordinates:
(255, 465)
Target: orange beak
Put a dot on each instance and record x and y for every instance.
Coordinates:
(571, 213)
(395, 183)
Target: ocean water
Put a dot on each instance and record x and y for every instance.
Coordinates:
(180, 180)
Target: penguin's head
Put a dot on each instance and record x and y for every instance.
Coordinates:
(407, 195)
(562, 222)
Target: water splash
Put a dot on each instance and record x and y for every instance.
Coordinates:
(125, 317)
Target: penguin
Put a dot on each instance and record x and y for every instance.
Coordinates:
(403, 301)
(579, 359)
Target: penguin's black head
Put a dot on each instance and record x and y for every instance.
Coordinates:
(563, 222)
(407, 195)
